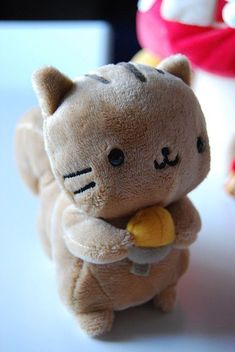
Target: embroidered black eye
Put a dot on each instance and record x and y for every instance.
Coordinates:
(201, 146)
(116, 157)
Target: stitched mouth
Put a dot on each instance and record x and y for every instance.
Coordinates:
(85, 188)
(166, 162)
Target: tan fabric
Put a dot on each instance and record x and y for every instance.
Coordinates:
(52, 87)
(86, 203)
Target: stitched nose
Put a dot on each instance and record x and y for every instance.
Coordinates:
(165, 151)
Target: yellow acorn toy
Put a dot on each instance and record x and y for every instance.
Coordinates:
(147, 58)
(152, 227)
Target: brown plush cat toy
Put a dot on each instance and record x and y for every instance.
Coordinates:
(112, 156)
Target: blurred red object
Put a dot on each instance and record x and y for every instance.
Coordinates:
(209, 47)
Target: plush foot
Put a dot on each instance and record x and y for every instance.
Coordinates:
(165, 301)
(96, 323)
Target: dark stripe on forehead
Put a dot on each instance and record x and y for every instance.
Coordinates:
(98, 78)
(160, 71)
(130, 67)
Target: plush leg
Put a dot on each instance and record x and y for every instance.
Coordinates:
(81, 292)
(90, 304)
(165, 301)
(96, 323)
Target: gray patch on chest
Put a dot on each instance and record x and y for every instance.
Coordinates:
(140, 269)
(148, 255)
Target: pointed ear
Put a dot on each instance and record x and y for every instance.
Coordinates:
(50, 86)
(179, 66)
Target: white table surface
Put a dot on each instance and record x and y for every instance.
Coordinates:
(32, 317)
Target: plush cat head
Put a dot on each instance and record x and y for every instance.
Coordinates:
(124, 137)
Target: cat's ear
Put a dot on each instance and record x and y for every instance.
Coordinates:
(50, 86)
(179, 66)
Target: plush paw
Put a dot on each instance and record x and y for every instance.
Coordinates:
(96, 323)
(165, 301)
(184, 240)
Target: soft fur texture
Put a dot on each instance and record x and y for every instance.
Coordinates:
(137, 109)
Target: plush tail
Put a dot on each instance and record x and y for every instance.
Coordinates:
(31, 157)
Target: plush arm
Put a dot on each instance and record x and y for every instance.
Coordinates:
(187, 222)
(92, 239)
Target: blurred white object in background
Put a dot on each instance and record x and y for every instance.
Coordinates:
(229, 13)
(195, 12)
(217, 98)
(145, 5)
